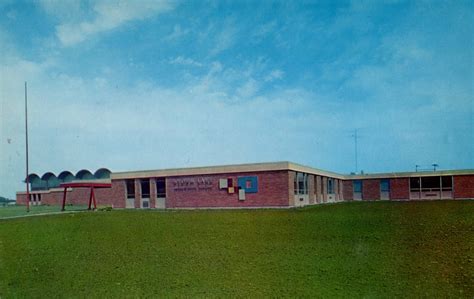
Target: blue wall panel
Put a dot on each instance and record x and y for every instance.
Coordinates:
(248, 183)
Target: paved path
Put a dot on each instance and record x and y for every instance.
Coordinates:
(41, 214)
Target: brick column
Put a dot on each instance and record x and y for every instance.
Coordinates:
(311, 194)
(325, 189)
(341, 190)
(318, 189)
(138, 192)
(348, 190)
(291, 194)
(152, 193)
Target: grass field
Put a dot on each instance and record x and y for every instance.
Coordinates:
(363, 249)
(14, 211)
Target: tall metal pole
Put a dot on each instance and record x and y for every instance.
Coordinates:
(26, 130)
(355, 150)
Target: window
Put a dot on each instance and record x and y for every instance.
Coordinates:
(301, 183)
(130, 188)
(414, 184)
(330, 186)
(161, 188)
(146, 204)
(39, 197)
(145, 187)
(430, 183)
(357, 184)
(447, 183)
(385, 185)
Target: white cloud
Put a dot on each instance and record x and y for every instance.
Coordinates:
(89, 123)
(274, 75)
(248, 89)
(177, 33)
(108, 15)
(264, 29)
(180, 60)
(225, 38)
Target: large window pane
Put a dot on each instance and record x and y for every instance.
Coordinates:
(447, 182)
(330, 186)
(161, 188)
(145, 186)
(431, 183)
(414, 184)
(130, 188)
(301, 183)
(385, 185)
(357, 184)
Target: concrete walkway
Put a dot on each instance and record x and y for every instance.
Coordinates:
(41, 214)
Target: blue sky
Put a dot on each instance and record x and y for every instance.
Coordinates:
(134, 85)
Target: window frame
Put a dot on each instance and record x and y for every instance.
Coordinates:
(301, 183)
(357, 182)
(130, 186)
(330, 186)
(158, 182)
(387, 188)
(146, 183)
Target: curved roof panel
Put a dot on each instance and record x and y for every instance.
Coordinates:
(48, 175)
(84, 174)
(51, 180)
(102, 173)
(33, 176)
(66, 176)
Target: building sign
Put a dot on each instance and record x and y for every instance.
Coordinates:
(192, 184)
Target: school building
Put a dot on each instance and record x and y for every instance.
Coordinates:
(278, 184)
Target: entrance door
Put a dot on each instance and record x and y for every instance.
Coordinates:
(130, 194)
(160, 193)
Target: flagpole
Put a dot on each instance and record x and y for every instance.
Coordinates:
(26, 130)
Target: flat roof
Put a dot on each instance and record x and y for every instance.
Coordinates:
(276, 166)
(410, 174)
(236, 168)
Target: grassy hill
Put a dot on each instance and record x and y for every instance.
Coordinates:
(376, 249)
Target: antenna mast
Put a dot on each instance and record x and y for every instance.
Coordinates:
(355, 149)
(26, 130)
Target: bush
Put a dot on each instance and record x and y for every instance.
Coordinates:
(104, 209)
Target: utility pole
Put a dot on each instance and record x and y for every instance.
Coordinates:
(355, 149)
(26, 135)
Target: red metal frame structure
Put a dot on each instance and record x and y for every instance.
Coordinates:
(90, 185)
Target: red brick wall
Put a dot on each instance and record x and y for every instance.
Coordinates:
(272, 191)
(400, 188)
(324, 181)
(463, 186)
(370, 189)
(319, 189)
(114, 196)
(291, 188)
(348, 190)
(311, 189)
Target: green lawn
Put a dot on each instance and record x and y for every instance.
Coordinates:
(13, 211)
(363, 249)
